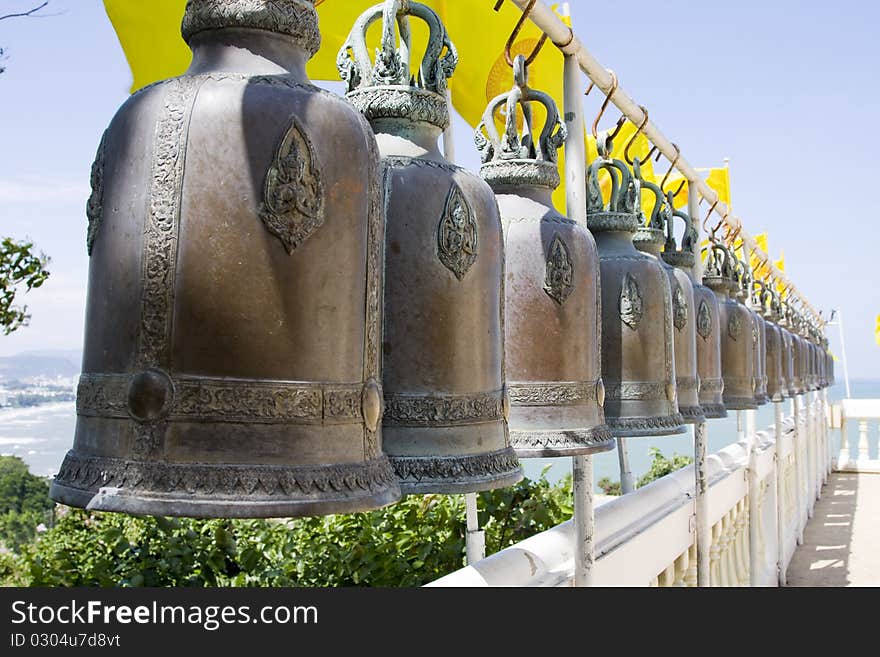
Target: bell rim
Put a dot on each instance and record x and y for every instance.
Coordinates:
(714, 411)
(637, 427)
(498, 469)
(740, 403)
(574, 442)
(359, 486)
(692, 414)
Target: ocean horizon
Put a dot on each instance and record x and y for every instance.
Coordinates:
(41, 436)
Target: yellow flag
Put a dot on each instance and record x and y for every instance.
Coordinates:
(719, 180)
(780, 265)
(877, 330)
(150, 36)
(761, 271)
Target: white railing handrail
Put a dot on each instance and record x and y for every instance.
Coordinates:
(761, 492)
(638, 535)
(567, 41)
(860, 409)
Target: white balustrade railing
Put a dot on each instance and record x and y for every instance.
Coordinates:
(762, 487)
(859, 453)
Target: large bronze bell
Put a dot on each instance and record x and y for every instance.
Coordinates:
(777, 386)
(737, 342)
(746, 296)
(652, 236)
(788, 350)
(444, 425)
(706, 317)
(638, 363)
(232, 353)
(551, 309)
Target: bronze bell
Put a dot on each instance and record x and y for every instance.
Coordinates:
(551, 309)
(445, 425)
(788, 350)
(638, 364)
(758, 331)
(800, 356)
(651, 238)
(737, 343)
(231, 362)
(705, 317)
(777, 386)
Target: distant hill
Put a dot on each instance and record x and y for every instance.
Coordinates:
(31, 365)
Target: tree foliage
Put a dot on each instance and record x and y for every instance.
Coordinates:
(24, 503)
(21, 270)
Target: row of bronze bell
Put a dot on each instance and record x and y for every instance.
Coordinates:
(294, 311)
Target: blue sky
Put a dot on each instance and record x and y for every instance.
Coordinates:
(787, 90)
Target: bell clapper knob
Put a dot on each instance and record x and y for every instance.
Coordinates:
(600, 392)
(372, 404)
(150, 394)
(671, 392)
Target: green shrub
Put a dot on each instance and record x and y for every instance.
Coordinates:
(24, 503)
(409, 543)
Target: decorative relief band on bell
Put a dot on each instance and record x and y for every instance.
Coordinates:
(222, 479)
(296, 18)
(686, 384)
(457, 237)
(95, 204)
(711, 386)
(636, 391)
(228, 400)
(433, 410)
(553, 394)
(293, 196)
(161, 230)
(398, 102)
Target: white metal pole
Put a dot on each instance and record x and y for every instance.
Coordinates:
(780, 496)
(798, 464)
(475, 541)
(701, 505)
(627, 480)
(754, 500)
(701, 437)
(576, 202)
(843, 354)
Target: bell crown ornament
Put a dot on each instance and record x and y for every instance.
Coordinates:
(210, 389)
(619, 214)
(294, 18)
(383, 87)
(651, 235)
(521, 156)
(446, 404)
(684, 257)
(552, 319)
(720, 272)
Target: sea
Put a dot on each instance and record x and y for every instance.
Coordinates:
(42, 435)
